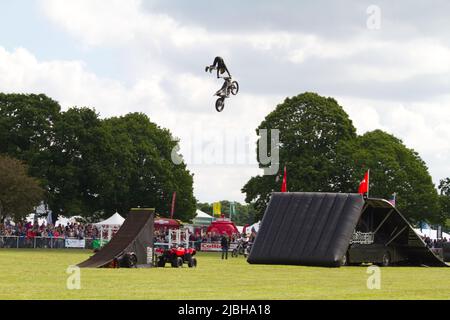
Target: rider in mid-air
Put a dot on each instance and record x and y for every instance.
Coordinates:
(229, 86)
(220, 66)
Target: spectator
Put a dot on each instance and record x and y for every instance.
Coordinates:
(225, 243)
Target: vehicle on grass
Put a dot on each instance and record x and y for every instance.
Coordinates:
(177, 256)
(381, 238)
(375, 253)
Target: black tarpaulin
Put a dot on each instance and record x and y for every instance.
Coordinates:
(316, 229)
(306, 229)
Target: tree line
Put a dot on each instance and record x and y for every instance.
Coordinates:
(323, 153)
(90, 166)
(80, 164)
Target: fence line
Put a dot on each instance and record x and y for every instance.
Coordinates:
(22, 242)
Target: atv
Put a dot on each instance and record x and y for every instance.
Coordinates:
(176, 256)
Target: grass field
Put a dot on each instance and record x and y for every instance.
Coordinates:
(41, 274)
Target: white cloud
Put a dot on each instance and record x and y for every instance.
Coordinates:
(182, 103)
(156, 44)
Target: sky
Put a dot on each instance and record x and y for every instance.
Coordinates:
(387, 63)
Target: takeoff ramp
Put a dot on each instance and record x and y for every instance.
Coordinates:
(316, 229)
(135, 235)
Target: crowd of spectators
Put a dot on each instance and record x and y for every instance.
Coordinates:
(435, 244)
(32, 230)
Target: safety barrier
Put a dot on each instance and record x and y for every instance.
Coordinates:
(21, 242)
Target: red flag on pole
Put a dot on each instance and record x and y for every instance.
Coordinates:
(284, 185)
(364, 184)
(173, 204)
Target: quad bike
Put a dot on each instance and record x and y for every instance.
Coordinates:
(228, 88)
(176, 256)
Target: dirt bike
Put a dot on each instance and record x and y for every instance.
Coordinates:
(230, 87)
(240, 249)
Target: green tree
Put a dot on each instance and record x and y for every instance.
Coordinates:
(311, 129)
(19, 193)
(93, 167)
(322, 153)
(26, 129)
(393, 168)
(244, 213)
(139, 168)
(74, 169)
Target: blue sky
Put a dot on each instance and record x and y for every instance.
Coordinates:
(149, 56)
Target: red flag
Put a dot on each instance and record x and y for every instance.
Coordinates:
(364, 184)
(174, 197)
(284, 185)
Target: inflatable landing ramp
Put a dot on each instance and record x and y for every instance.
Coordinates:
(135, 235)
(331, 229)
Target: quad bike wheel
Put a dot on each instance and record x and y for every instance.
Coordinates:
(179, 262)
(220, 104)
(161, 262)
(192, 262)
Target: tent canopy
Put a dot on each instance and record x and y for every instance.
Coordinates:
(222, 226)
(202, 219)
(203, 215)
(114, 220)
(164, 222)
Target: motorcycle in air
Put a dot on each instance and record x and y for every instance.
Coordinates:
(229, 88)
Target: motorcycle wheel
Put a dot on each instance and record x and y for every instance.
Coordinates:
(220, 104)
(234, 88)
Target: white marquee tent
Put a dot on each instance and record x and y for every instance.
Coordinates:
(110, 226)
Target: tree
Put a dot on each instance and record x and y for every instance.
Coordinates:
(311, 128)
(19, 193)
(139, 168)
(74, 169)
(26, 129)
(244, 213)
(93, 167)
(322, 153)
(393, 168)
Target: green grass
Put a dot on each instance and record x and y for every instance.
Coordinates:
(41, 274)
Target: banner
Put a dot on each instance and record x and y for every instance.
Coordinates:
(217, 209)
(75, 243)
(215, 247)
(232, 209)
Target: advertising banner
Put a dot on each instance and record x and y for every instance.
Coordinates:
(215, 247)
(75, 243)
